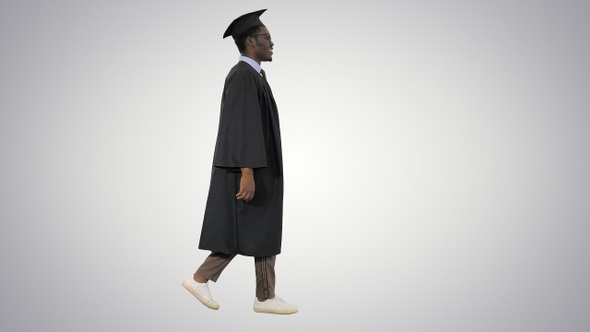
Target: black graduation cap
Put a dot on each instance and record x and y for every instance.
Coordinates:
(243, 23)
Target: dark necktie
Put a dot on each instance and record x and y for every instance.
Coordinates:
(263, 73)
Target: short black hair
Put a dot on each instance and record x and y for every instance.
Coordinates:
(241, 39)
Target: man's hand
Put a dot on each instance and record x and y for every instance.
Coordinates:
(247, 186)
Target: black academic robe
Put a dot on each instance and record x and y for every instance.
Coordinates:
(249, 136)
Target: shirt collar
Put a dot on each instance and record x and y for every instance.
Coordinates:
(251, 62)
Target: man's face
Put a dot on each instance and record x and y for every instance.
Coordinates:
(263, 47)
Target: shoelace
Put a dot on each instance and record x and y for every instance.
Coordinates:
(280, 302)
(207, 293)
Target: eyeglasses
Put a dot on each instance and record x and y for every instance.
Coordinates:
(266, 35)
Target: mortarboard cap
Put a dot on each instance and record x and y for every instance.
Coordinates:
(243, 23)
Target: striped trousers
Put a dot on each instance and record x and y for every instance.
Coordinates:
(216, 262)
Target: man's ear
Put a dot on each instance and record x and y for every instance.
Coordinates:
(250, 41)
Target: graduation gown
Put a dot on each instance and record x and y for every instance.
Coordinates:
(249, 136)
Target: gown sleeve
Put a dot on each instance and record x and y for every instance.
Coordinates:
(240, 140)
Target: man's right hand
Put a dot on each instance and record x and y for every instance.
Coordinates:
(247, 185)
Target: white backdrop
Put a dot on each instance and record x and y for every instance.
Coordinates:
(436, 164)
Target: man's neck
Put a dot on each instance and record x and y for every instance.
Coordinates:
(252, 57)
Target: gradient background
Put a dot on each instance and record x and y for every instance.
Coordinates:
(436, 164)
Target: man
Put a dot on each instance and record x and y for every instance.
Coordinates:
(245, 203)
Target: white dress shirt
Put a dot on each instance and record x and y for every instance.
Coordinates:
(252, 63)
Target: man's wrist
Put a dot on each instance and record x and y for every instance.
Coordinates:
(247, 171)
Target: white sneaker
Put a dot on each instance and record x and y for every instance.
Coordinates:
(276, 305)
(201, 292)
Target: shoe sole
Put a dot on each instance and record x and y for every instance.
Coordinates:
(195, 294)
(276, 312)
